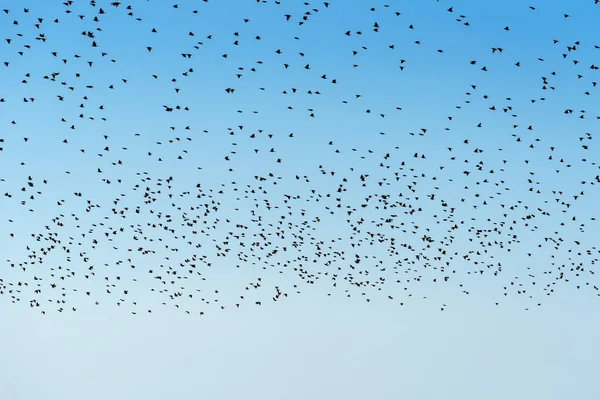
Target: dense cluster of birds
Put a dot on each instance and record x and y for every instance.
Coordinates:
(204, 156)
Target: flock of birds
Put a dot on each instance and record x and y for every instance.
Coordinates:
(147, 161)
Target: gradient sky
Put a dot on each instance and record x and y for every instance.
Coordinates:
(466, 122)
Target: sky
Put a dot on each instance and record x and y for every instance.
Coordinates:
(290, 199)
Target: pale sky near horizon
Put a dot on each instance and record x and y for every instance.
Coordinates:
(294, 199)
(303, 350)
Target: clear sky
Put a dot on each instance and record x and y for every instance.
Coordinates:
(291, 200)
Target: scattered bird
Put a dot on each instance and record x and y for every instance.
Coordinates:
(208, 167)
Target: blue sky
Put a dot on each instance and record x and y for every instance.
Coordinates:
(414, 183)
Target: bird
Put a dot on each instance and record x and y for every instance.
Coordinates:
(216, 178)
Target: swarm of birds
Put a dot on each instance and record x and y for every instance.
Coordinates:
(198, 158)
